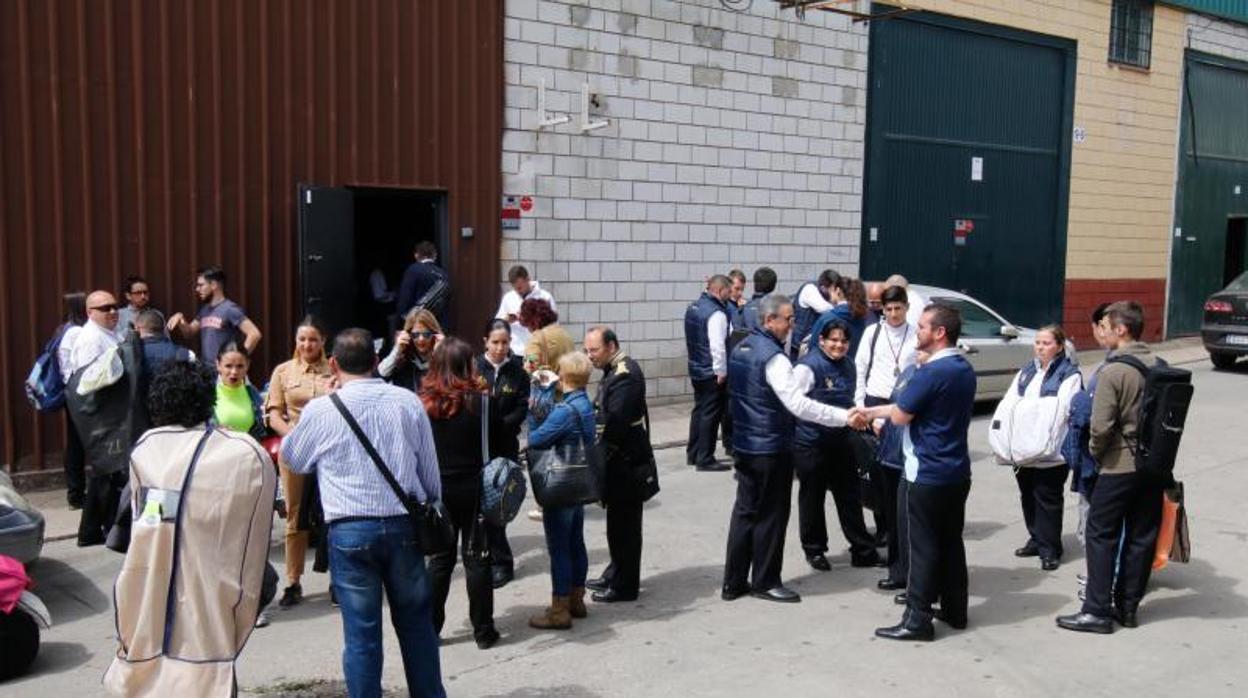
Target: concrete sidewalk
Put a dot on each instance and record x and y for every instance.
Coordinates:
(669, 425)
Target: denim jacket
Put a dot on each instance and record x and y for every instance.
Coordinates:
(559, 428)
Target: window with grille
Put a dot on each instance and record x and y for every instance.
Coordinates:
(1131, 32)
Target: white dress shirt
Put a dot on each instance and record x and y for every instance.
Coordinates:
(64, 353)
(895, 351)
(510, 305)
(717, 334)
(810, 297)
(90, 344)
(791, 385)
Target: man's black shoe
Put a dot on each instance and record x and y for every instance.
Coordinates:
(487, 639)
(88, 542)
(955, 623)
(612, 596)
(901, 599)
(1029, 549)
(291, 596)
(780, 594)
(598, 584)
(1126, 618)
(819, 561)
(910, 628)
(74, 502)
(713, 467)
(501, 577)
(871, 559)
(1049, 564)
(1086, 623)
(888, 584)
(732, 594)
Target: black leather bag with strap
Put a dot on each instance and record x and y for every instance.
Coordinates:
(431, 520)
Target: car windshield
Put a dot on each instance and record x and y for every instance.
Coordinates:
(1240, 284)
(977, 322)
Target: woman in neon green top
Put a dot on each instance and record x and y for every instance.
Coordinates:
(238, 403)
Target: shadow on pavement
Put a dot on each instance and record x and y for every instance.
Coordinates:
(545, 691)
(981, 530)
(69, 594)
(1203, 594)
(1005, 599)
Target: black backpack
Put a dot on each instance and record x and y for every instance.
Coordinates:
(1163, 411)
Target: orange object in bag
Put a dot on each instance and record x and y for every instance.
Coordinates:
(1165, 534)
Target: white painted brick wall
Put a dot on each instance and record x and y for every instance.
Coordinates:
(735, 141)
(1219, 37)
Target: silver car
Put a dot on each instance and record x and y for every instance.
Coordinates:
(996, 348)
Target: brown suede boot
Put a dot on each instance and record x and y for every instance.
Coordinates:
(556, 617)
(576, 603)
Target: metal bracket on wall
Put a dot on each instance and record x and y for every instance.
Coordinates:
(835, 6)
(586, 124)
(544, 119)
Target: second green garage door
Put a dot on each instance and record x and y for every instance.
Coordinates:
(968, 161)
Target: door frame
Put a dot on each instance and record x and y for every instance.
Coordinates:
(1069, 49)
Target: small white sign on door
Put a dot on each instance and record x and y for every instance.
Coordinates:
(977, 169)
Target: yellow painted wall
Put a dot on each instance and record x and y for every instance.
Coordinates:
(1123, 175)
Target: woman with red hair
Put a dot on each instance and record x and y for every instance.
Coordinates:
(547, 341)
(454, 395)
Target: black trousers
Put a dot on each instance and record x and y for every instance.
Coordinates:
(1130, 502)
(500, 548)
(899, 540)
(710, 399)
(760, 516)
(937, 554)
(830, 466)
(884, 492)
(1040, 491)
(623, 573)
(99, 506)
(725, 425)
(75, 464)
(461, 504)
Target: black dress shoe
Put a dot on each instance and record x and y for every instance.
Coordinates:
(1029, 549)
(733, 593)
(612, 596)
(820, 562)
(908, 629)
(1086, 623)
(871, 559)
(88, 542)
(780, 594)
(501, 577)
(713, 467)
(955, 623)
(887, 584)
(1126, 618)
(1049, 564)
(901, 599)
(598, 584)
(487, 639)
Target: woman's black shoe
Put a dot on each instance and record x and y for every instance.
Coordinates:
(1049, 564)
(819, 561)
(487, 639)
(291, 596)
(612, 596)
(598, 584)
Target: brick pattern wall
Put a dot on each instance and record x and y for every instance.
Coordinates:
(1083, 295)
(735, 140)
(1218, 37)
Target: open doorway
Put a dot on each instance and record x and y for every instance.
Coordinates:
(1236, 249)
(356, 242)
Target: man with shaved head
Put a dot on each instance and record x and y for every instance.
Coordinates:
(706, 336)
(100, 332)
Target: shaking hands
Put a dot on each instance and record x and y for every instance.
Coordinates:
(859, 418)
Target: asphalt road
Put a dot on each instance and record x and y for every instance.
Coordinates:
(681, 639)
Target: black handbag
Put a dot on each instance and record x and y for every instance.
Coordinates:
(432, 521)
(568, 474)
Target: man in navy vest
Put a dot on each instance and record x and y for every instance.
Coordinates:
(706, 335)
(935, 407)
(764, 283)
(811, 300)
(766, 398)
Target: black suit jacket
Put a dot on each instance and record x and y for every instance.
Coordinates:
(623, 425)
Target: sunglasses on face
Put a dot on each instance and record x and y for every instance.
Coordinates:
(422, 335)
(109, 308)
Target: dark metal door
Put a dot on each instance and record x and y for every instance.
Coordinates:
(327, 254)
(1213, 184)
(968, 161)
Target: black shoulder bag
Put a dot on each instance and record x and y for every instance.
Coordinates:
(431, 520)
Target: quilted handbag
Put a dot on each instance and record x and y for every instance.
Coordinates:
(503, 486)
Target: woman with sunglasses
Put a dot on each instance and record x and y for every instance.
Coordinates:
(294, 384)
(408, 361)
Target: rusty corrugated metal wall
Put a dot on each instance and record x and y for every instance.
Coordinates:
(157, 136)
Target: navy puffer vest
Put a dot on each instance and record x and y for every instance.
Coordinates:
(761, 423)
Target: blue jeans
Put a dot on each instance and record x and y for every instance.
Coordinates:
(565, 541)
(366, 556)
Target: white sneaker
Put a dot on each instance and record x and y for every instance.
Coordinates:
(262, 620)
(535, 515)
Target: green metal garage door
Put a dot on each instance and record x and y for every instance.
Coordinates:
(968, 161)
(1213, 186)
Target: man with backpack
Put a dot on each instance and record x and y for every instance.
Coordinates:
(425, 284)
(1125, 501)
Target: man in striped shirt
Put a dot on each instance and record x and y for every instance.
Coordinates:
(372, 544)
